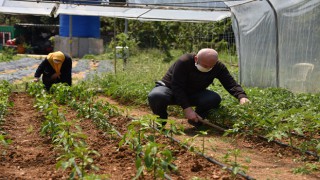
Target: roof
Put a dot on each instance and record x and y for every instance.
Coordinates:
(159, 10)
(36, 25)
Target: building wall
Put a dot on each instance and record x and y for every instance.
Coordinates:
(78, 47)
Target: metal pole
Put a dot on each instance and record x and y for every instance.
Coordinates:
(114, 50)
(239, 49)
(70, 35)
(277, 43)
(126, 26)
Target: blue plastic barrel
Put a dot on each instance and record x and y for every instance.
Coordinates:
(82, 26)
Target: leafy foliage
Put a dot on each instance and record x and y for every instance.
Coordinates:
(274, 112)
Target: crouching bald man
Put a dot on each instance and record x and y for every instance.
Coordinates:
(185, 84)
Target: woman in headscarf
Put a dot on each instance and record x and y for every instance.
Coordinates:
(56, 68)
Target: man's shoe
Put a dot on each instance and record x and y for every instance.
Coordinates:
(160, 124)
(195, 124)
(163, 123)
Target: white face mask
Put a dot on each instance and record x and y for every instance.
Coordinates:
(56, 61)
(202, 69)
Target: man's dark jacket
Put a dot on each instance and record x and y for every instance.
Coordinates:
(47, 71)
(184, 79)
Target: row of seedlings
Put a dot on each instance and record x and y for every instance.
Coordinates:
(276, 114)
(74, 155)
(151, 156)
(83, 100)
(297, 127)
(5, 91)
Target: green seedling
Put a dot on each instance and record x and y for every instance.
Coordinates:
(67, 139)
(174, 129)
(134, 137)
(30, 129)
(203, 133)
(307, 168)
(61, 93)
(189, 142)
(78, 161)
(157, 161)
(96, 177)
(235, 165)
(5, 143)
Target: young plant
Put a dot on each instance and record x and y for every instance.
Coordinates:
(235, 165)
(133, 137)
(306, 169)
(78, 160)
(4, 142)
(157, 161)
(35, 88)
(66, 138)
(174, 129)
(189, 142)
(61, 93)
(203, 134)
(51, 124)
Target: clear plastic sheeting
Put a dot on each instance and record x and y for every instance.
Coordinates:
(278, 44)
(200, 4)
(24, 7)
(299, 47)
(118, 12)
(255, 32)
(184, 15)
(144, 13)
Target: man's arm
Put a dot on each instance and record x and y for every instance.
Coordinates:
(231, 85)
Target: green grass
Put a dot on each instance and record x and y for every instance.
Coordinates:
(274, 112)
(7, 58)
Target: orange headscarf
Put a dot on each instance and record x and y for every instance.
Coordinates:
(56, 56)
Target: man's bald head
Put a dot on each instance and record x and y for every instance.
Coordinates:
(207, 57)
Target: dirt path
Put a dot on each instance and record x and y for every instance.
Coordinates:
(265, 160)
(110, 161)
(119, 163)
(30, 156)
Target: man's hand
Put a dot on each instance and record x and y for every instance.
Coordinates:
(36, 80)
(244, 100)
(55, 76)
(189, 113)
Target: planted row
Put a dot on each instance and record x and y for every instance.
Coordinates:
(274, 113)
(84, 102)
(74, 153)
(5, 91)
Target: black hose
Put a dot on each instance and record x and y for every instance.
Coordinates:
(207, 157)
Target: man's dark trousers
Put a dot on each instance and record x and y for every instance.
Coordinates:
(161, 96)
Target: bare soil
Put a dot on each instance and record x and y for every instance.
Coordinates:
(32, 156)
(264, 160)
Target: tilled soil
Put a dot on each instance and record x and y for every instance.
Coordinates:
(265, 160)
(119, 163)
(32, 156)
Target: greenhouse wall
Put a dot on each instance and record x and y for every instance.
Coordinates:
(299, 47)
(256, 42)
(278, 44)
